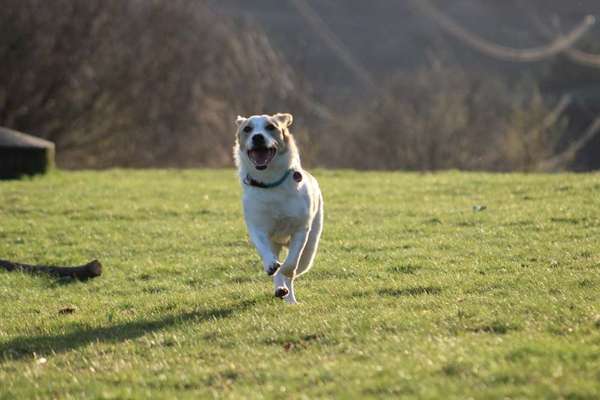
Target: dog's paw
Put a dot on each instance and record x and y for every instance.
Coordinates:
(271, 269)
(281, 292)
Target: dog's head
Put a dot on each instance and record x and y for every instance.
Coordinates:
(264, 140)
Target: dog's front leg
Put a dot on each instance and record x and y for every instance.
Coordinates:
(263, 246)
(295, 251)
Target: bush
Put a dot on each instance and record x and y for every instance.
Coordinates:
(442, 117)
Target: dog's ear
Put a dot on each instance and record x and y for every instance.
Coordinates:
(240, 120)
(284, 119)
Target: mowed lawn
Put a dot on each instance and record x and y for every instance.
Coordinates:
(449, 285)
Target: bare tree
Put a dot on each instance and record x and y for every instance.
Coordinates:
(558, 45)
(553, 30)
(335, 44)
(136, 83)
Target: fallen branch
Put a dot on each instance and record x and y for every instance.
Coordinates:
(90, 270)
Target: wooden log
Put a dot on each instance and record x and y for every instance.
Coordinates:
(90, 270)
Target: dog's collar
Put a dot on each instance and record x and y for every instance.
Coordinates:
(248, 180)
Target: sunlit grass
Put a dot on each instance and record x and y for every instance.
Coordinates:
(426, 285)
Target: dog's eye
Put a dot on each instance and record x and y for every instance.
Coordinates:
(270, 127)
(247, 129)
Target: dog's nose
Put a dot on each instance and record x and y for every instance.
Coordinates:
(258, 140)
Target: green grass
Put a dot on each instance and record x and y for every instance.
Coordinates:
(415, 293)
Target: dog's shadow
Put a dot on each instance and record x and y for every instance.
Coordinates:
(24, 346)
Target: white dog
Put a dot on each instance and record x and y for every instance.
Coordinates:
(282, 202)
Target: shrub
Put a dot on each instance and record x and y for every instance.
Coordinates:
(442, 117)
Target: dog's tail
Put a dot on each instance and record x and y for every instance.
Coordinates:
(90, 270)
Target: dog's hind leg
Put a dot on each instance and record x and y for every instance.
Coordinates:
(310, 249)
(291, 297)
(297, 243)
(307, 256)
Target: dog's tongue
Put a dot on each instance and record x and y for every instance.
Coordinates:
(261, 157)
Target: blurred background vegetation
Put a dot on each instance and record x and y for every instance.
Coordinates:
(406, 84)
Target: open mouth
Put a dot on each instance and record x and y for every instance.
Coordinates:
(261, 156)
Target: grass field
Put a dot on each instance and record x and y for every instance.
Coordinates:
(449, 285)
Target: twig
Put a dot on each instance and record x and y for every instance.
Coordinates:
(578, 56)
(559, 161)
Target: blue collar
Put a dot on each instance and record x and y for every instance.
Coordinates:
(248, 180)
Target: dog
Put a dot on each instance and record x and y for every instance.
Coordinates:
(283, 205)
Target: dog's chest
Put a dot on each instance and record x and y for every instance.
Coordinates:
(280, 213)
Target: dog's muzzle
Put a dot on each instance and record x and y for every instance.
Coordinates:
(260, 154)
